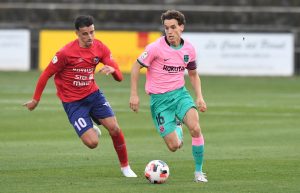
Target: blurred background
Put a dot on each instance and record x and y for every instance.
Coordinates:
(245, 37)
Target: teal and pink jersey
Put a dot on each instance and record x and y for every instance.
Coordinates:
(166, 65)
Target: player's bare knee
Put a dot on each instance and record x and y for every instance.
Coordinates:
(173, 147)
(92, 144)
(114, 131)
(195, 131)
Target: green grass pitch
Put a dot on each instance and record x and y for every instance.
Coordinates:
(251, 128)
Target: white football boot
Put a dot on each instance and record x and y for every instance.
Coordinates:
(127, 172)
(200, 177)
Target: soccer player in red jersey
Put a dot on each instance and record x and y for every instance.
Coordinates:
(73, 68)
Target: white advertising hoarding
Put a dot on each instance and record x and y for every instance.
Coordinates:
(15, 50)
(244, 54)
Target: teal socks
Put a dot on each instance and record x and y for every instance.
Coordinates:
(198, 152)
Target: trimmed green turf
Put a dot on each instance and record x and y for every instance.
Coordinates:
(251, 130)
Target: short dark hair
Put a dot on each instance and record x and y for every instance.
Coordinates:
(83, 21)
(173, 14)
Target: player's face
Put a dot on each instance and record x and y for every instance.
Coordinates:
(173, 31)
(86, 36)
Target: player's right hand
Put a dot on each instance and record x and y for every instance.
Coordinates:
(31, 105)
(107, 70)
(134, 102)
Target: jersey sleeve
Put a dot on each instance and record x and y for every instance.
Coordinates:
(146, 58)
(192, 65)
(57, 64)
(108, 60)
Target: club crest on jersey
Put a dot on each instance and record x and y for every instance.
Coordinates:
(54, 59)
(161, 129)
(96, 60)
(186, 58)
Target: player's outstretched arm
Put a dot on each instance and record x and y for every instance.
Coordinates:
(40, 86)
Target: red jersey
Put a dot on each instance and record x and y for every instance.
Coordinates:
(74, 68)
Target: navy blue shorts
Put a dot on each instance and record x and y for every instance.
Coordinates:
(81, 112)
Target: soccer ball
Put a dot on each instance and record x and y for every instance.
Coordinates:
(157, 172)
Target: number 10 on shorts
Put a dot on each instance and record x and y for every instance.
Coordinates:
(80, 123)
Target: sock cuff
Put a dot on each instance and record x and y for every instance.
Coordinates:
(124, 165)
(197, 141)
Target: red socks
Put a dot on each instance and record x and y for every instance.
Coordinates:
(120, 147)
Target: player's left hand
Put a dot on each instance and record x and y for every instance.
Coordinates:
(134, 103)
(201, 105)
(31, 105)
(107, 70)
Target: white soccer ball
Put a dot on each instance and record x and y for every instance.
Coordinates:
(157, 172)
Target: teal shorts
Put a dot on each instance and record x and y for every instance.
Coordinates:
(166, 107)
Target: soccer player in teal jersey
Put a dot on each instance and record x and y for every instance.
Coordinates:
(166, 60)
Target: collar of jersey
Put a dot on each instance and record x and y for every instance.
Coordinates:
(175, 47)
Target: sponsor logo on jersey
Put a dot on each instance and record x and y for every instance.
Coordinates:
(54, 59)
(85, 70)
(80, 83)
(173, 69)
